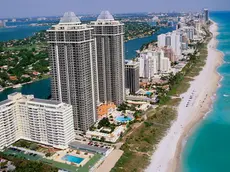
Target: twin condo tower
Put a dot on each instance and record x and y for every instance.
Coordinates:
(87, 65)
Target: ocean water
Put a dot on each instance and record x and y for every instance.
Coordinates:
(208, 147)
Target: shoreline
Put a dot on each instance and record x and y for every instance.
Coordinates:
(167, 156)
(176, 162)
(22, 84)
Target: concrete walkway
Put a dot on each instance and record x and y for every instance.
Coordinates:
(110, 161)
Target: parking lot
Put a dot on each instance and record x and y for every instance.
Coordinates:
(99, 144)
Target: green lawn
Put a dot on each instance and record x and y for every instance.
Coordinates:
(22, 155)
(56, 164)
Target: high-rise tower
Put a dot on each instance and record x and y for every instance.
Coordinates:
(109, 35)
(132, 76)
(73, 61)
(206, 15)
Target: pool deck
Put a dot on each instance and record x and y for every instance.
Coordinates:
(60, 154)
(124, 119)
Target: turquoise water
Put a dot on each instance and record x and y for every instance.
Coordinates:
(208, 148)
(122, 119)
(73, 159)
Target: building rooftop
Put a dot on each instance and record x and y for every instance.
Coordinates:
(4, 102)
(84, 147)
(52, 102)
(13, 94)
(105, 15)
(69, 17)
(104, 108)
(131, 63)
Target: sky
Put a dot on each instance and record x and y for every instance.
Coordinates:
(31, 8)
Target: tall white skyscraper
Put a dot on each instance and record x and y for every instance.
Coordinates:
(109, 35)
(73, 61)
(176, 43)
(161, 40)
(197, 27)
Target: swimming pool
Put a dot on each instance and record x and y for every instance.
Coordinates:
(73, 159)
(148, 93)
(123, 119)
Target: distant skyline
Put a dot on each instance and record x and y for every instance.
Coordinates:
(31, 8)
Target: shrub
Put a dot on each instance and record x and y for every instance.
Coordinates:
(33, 146)
(48, 154)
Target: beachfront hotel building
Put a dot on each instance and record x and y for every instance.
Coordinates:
(47, 122)
(132, 76)
(109, 35)
(73, 61)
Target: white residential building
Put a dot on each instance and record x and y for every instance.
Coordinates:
(111, 137)
(153, 62)
(165, 65)
(189, 31)
(171, 39)
(197, 27)
(176, 43)
(161, 40)
(43, 121)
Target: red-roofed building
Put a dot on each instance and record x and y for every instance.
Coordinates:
(13, 78)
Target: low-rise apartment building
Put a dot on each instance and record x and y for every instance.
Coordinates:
(43, 121)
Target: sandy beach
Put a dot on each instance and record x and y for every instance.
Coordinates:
(198, 99)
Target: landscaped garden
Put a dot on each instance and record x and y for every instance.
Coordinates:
(47, 150)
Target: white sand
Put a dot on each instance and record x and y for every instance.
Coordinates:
(202, 89)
